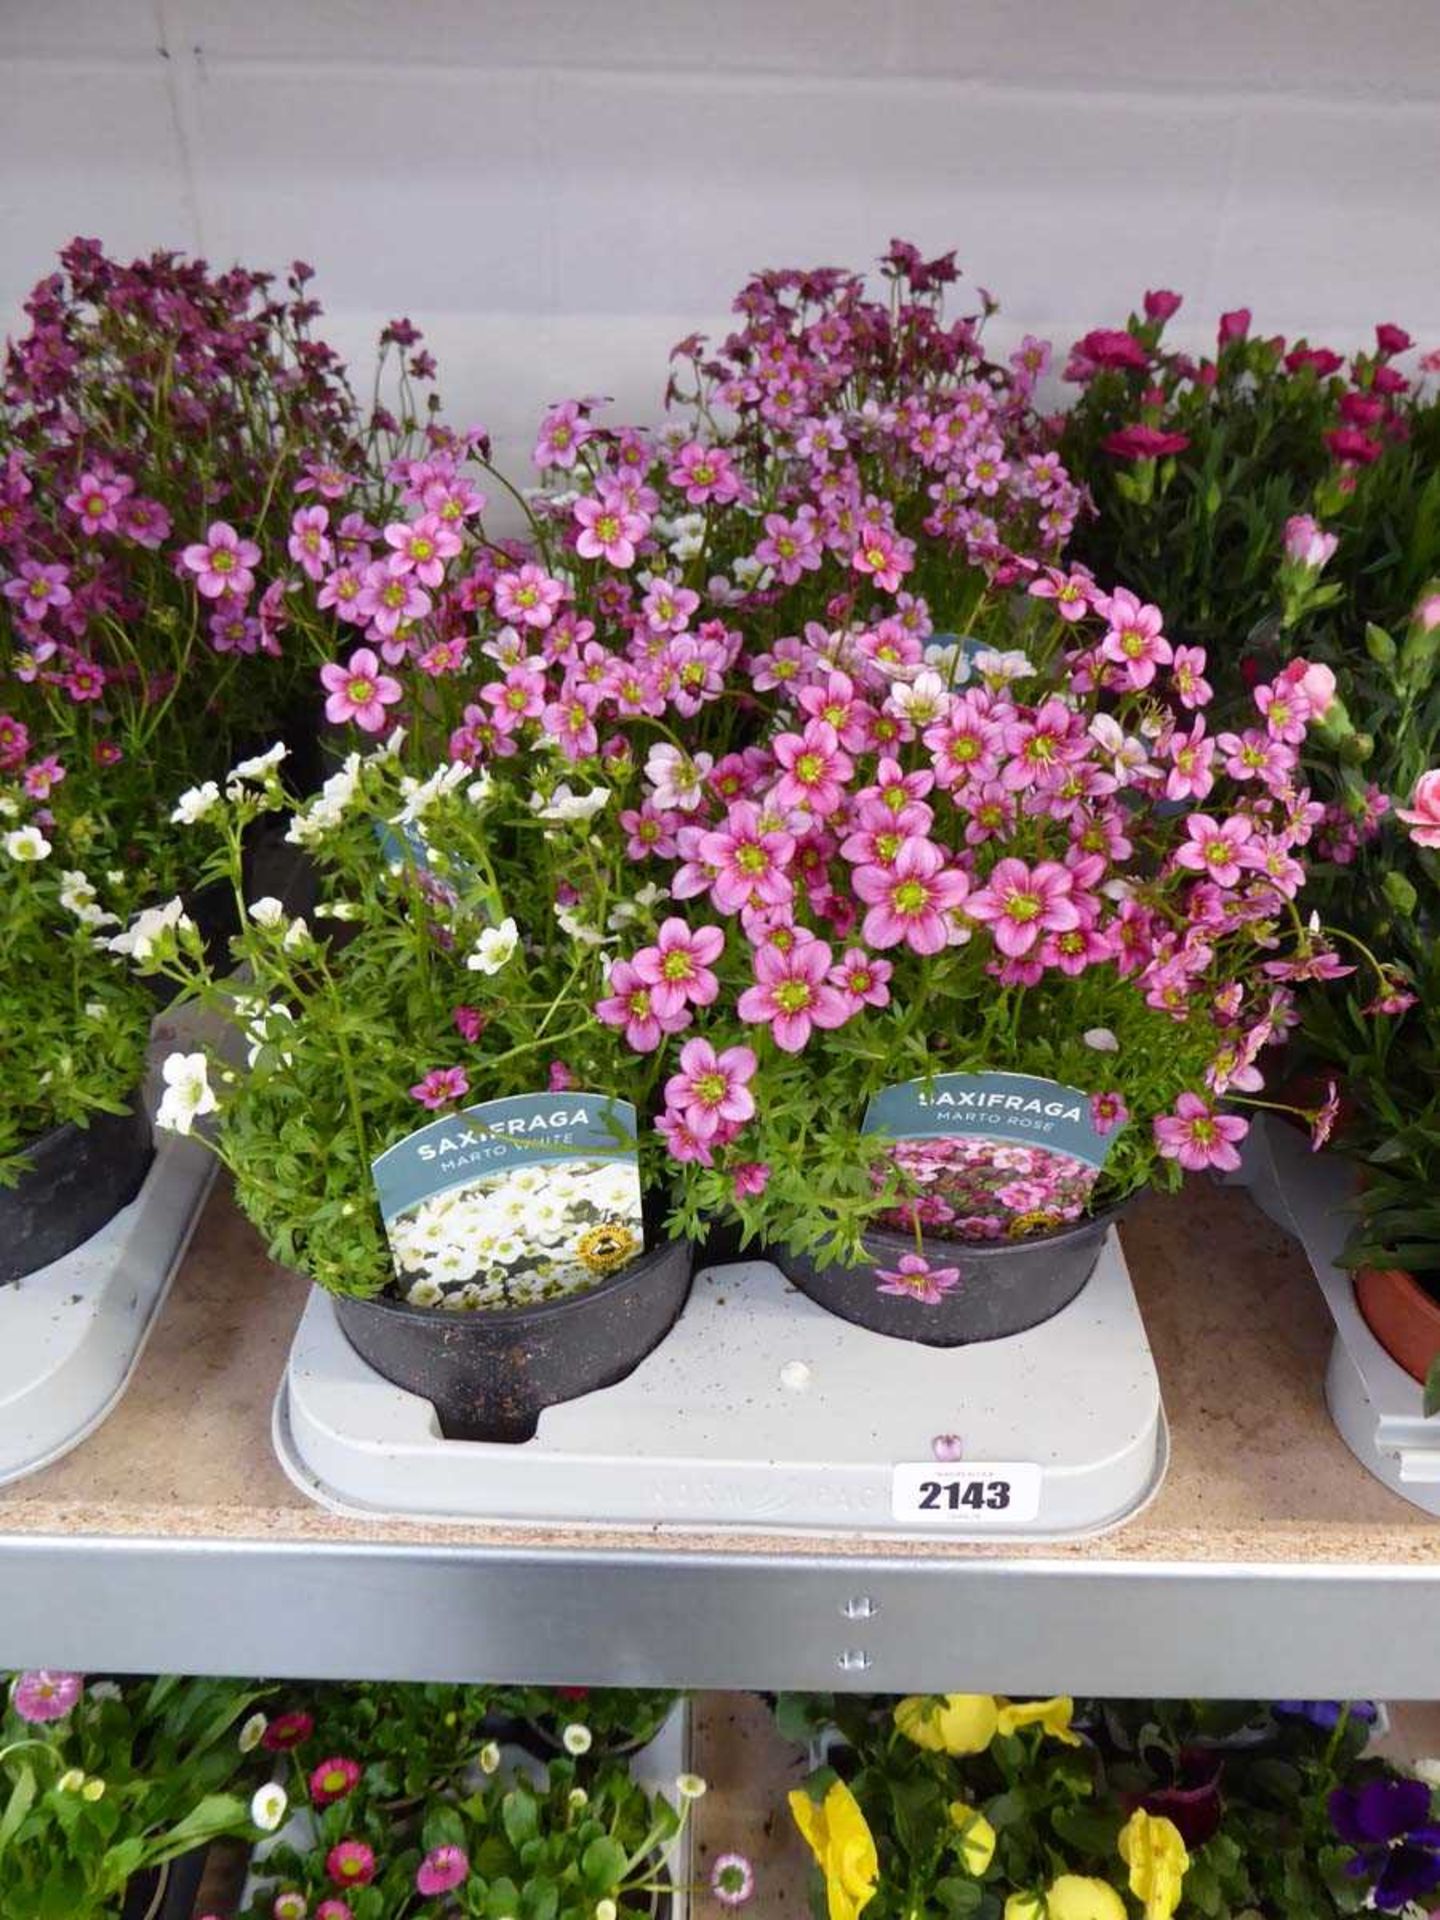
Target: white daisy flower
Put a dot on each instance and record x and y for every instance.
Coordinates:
(267, 1809)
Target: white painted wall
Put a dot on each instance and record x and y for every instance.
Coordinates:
(558, 189)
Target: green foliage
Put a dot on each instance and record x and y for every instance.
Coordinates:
(136, 1774)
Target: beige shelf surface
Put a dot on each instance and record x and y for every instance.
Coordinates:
(1240, 1334)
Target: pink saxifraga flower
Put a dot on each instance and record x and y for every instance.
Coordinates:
(711, 1092)
(359, 691)
(677, 969)
(222, 562)
(442, 1870)
(911, 901)
(529, 596)
(750, 1179)
(441, 1087)
(1021, 903)
(1199, 1137)
(1108, 1112)
(45, 1693)
(630, 1005)
(1220, 849)
(913, 1278)
(792, 992)
(1133, 639)
(1422, 816)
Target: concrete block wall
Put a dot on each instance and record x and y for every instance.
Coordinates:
(557, 190)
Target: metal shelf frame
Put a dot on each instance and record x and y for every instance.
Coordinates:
(360, 1611)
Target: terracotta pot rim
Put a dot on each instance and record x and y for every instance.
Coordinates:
(1419, 1294)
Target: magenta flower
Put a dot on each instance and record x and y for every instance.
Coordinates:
(39, 587)
(310, 545)
(677, 969)
(1134, 639)
(1141, 442)
(750, 1179)
(683, 1143)
(711, 1092)
(95, 500)
(793, 993)
(222, 563)
(332, 1780)
(528, 596)
(913, 1278)
(909, 901)
(441, 1087)
(1198, 1137)
(814, 768)
(358, 691)
(442, 1870)
(749, 860)
(1107, 1112)
(350, 1863)
(1220, 849)
(791, 547)
(1021, 903)
(334, 1910)
(630, 1004)
(287, 1730)
(422, 547)
(45, 1694)
(470, 1023)
(885, 556)
(608, 531)
(389, 601)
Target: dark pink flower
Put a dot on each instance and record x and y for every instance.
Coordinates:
(1022, 903)
(1161, 304)
(1107, 1112)
(677, 969)
(350, 1863)
(333, 1779)
(913, 1278)
(750, 1179)
(749, 858)
(1234, 325)
(1220, 849)
(911, 901)
(630, 1005)
(442, 1870)
(1392, 339)
(1144, 443)
(1112, 347)
(441, 1087)
(287, 1730)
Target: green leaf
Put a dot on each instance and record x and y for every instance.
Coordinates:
(1432, 1389)
(22, 1798)
(520, 1816)
(959, 1897)
(603, 1865)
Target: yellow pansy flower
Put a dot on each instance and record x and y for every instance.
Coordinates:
(1072, 1897)
(954, 1723)
(976, 1839)
(1152, 1848)
(843, 1847)
(1052, 1715)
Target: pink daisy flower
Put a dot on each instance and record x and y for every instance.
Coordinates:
(1134, 639)
(332, 1780)
(350, 1863)
(442, 1870)
(1219, 849)
(46, 1693)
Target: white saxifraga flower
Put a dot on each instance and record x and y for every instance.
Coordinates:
(676, 778)
(922, 700)
(77, 896)
(27, 844)
(266, 912)
(1001, 668)
(143, 935)
(297, 935)
(565, 805)
(494, 948)
(327, 809)
(187, 1094)
(1126, 753)
(583, 934)
(267, 1809)
(421, 795)
(195, 803)
(262, 765)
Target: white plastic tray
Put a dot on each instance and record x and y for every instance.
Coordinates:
(720, 1428)
(1375, 1404)
(71, 1333)
(656, 1767)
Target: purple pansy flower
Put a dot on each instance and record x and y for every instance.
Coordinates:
(1388, 1822)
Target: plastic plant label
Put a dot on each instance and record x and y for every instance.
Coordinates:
(513, 1202)
(1006, 1153)
(979, 1493)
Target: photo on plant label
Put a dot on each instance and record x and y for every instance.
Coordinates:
(519, 1236)
(985, 1189)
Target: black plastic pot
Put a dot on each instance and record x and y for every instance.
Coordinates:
(489, 1372)
(1005, 1285)
(79, 1178)
(168, 1892)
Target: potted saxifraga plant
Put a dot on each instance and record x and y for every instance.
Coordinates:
(111, 1792)
(75, 1140)
(492, 1257)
